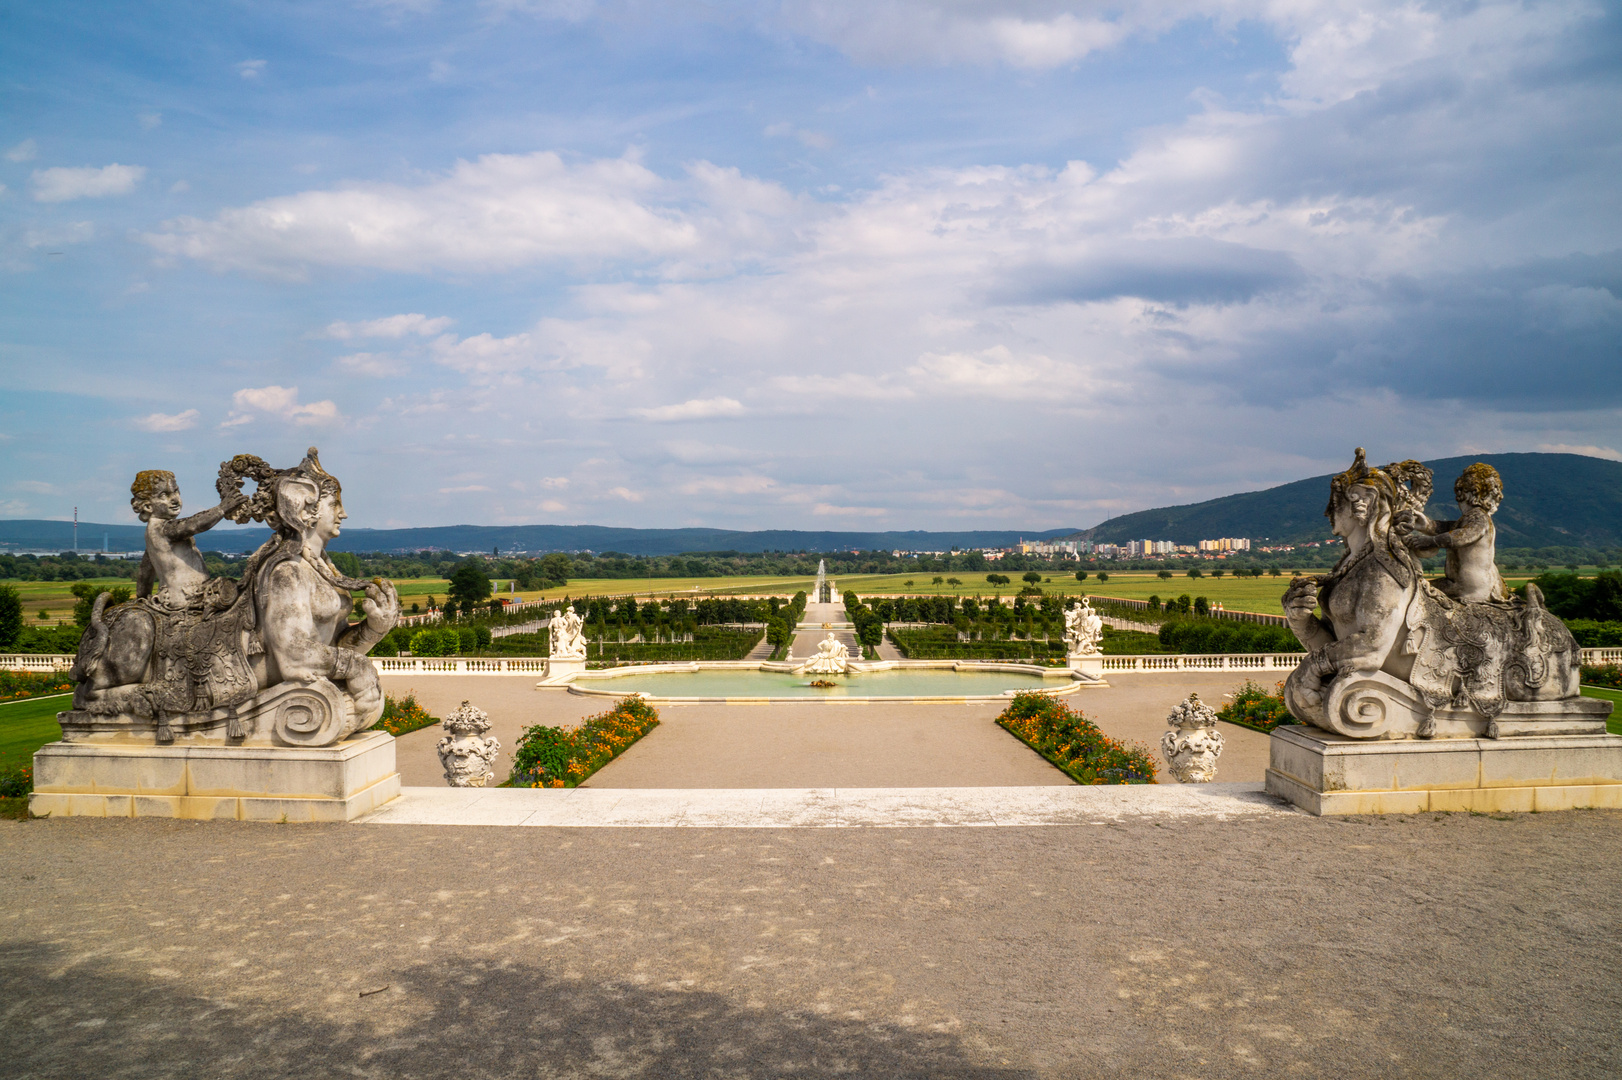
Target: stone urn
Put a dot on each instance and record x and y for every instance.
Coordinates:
(1194, 743)
(465, 751)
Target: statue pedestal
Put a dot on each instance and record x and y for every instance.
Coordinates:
(1088, 667)
(557, 667)
(1324, 773)
(209, 781)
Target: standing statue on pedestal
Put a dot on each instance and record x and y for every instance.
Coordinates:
(1396, 656)
(1083, 630)
(272, 660)
(566, 636)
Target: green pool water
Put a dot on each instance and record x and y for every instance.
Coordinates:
(900, 684)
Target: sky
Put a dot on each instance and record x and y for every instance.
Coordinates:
(902, 264)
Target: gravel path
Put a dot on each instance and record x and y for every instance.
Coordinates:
(1441, 945)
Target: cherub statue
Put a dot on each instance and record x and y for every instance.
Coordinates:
(172, 560)
(1082, 629)
(1470, 542)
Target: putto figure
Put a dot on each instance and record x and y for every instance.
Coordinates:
(274, 659)
(566, 635)
(1396, 656)
(1471, 542)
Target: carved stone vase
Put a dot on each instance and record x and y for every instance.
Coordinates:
(1194, 744)
(466, 752)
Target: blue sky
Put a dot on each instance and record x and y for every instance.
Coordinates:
(800, 265)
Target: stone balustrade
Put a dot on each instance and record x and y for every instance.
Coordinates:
(526, 665)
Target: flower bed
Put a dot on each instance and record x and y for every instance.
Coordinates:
(16, 781)
(1254, 708)
(17, 685)
(1603, 675)
(401, 715)
(1074, 744)
(559, 757)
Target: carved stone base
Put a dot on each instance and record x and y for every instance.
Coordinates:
(1324, 773)
(557, 667)
(214, 782)
(1379, 706)
(314, 713)
(1088, 667)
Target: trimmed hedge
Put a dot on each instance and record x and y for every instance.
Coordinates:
(1073, 743)
(1210, 636)
(559, 757)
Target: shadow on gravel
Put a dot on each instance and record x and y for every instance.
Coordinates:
(465, 1019)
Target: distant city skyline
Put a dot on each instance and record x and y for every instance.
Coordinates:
(918, 265)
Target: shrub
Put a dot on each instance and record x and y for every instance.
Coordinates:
(1073, 743)
(556, 757)
(1603, 675)
(401, 715)
(1253, 707)
(11, 616)
(1596, 634)
(481, 636)
(425, 643)
(466, 641)
(16, 777)
(1214, 636)
(385, 647)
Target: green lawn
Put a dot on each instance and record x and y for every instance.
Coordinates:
(1614, 724)
(27, 725)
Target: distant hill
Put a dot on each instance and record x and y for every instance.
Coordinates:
(1550, 500)
(38, 535)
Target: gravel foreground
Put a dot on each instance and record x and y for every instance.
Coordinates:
(1448, 944)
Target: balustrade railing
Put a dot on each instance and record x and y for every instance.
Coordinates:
(525, 665)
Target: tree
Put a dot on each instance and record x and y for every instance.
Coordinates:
(1196, 573)
(556, 568)
(1103, 575)
(954, 582)
(1164, 575)
(1218, 572)
(11, 616)
(1202, 606)
(1081, 575)
(1031, 576)
(937, 580)
(470, 583)
(1274, 571)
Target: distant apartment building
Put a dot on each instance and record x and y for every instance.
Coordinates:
(1225, 544)
(1050, 548)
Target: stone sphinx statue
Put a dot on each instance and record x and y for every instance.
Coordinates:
(1083, 630)
(271, 660)
(1396, 656)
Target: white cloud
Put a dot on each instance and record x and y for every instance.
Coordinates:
(61, 184)
(251, 69)
(816, 140)
(373, 365)
(554, 483)
(281, 402)
(729, 485)
(463, 489)
(693, 409)
(1606, 452)
(498, 212)
(150, 120)
(167, 422)
(392, 326)
(625, 493)
(35, 487)
(26, 150)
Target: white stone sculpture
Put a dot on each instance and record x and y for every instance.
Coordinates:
(466, 753)
(832, 658)
(1083, 630)
(270, 660)
(1395, 656)
(1193, 745)
(567, 635)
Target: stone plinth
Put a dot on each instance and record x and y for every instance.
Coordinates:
(1088, 667)
(1323, 773)
(214, 782)
(557, 667)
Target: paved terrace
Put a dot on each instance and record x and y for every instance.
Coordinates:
(1277, 945)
